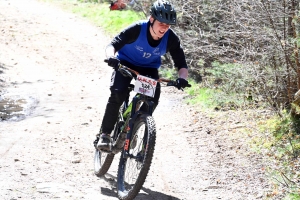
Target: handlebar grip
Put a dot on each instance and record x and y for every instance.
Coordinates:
(106, 60)
(189, 85)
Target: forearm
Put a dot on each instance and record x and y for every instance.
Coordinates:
(183, 73)
(110, 51)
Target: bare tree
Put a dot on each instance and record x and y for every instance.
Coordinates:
(262, 35)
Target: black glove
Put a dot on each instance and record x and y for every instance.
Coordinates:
(181, 83)
(114, 63)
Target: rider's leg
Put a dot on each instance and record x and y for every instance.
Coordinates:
(110, 116)
(155, 99)
(119, 85)
(111, 112)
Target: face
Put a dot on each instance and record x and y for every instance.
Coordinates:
(159, 28)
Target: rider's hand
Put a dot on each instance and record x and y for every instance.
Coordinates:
(114, 63)
(181, 83)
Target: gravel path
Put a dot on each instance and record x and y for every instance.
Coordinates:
(53, 62)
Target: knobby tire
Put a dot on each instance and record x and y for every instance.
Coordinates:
(101, 168)
(144, 145)
(103, 160)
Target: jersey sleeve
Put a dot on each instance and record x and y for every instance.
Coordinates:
(176, 51)
(127, 36)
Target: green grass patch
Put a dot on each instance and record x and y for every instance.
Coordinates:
(202, 97)
(231, 84)
(294, 196)
(168, 73)
(112, 22)
(280, 141)
(212, 98)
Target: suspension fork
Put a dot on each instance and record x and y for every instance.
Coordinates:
(129, 123)
(135, 112)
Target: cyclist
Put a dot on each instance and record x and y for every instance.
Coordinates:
(140, 47)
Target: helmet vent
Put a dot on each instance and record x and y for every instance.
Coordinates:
(167, 16)
(164, 12)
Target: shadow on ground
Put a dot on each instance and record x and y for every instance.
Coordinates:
(145, 193)
(2, 68)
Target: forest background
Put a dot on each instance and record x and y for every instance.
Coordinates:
(242, 54)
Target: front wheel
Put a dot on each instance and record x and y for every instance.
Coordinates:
(133, 169)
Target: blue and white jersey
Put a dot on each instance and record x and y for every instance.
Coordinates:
(140, 53)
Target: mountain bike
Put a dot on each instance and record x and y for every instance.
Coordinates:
(134, 136)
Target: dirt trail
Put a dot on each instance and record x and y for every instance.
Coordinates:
(53, 60)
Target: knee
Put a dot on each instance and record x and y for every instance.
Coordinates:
(156, 96)
(117, 97)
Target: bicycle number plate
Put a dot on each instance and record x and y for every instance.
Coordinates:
(145, 85)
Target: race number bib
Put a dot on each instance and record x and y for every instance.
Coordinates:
(145, 85)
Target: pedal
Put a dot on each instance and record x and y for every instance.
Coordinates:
(96, 142)
(105, 149)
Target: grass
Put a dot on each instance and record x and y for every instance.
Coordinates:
(112, 22)
(280, 142)
(202, 97)
(168, 73)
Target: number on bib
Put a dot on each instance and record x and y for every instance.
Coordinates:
(145, 85)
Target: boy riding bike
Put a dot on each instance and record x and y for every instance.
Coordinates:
(140, 47)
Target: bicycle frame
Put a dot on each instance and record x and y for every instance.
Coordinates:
(134, 135)
(134, 110)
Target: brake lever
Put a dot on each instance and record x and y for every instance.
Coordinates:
(125, 72)
(171, 83)
(174, 83)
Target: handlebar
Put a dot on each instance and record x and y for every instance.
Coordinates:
(126, 71)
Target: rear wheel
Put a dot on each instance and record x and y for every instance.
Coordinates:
(102, 162)
(133, 169)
